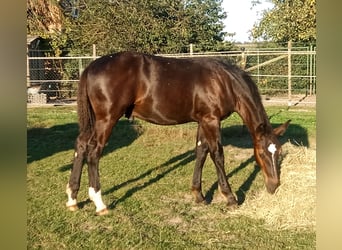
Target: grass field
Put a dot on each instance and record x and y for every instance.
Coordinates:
(145, 176)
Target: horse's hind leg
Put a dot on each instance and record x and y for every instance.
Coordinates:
(211, 130)
(201, 155)
(95, 147)
(75, 177)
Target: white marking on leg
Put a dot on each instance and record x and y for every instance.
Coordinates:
(272, 149)
(199, 143)
(97, 199)
(71, 202)
(75, 154)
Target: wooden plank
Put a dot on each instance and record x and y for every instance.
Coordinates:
(267, 62)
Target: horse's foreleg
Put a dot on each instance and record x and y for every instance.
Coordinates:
(224, 187)
(201, 155)
(75, 177)
(212, 134)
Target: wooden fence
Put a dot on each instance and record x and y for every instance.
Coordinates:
(276, 71)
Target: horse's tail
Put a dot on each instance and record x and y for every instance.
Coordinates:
(86, 118)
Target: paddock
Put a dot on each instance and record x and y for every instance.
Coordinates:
(146, 174)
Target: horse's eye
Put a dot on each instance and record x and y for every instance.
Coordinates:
(261, 152)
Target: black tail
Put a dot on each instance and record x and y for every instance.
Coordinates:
(86, 118)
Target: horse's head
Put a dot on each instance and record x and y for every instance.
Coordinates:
(267, 151)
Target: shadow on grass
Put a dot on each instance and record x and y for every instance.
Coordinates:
(45, 142)
(178, 161)
(243, 189)
(237, 136)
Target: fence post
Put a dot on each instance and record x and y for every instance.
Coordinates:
(243, 58)
(310, 82)
(289, 66)
(27, 68)
(94, 51)
(80, 67)
(258, 62)
(191, 49)
(314, 72)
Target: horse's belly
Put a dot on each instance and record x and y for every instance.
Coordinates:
(162, 115)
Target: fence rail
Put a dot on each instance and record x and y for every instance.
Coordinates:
(275, 71)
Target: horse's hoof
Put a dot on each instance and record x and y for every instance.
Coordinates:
(232, 206)
(205, 202)
(104, 211)
(201, 201)
(72, 208)
(232, 203)
(199, 198)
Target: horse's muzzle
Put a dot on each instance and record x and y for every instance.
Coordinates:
(272, 185)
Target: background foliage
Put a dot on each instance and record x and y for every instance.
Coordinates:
(163, 26)
(71, 27)
(289, 20)
(151, 26)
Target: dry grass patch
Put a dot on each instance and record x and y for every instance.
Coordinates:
(293, 206)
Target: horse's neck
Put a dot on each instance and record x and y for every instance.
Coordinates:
(253, 114)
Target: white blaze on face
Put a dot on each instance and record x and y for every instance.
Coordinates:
(272, 149)
(97, 199)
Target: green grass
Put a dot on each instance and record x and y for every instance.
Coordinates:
(145, 176)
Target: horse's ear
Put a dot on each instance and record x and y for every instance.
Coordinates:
(281, 129)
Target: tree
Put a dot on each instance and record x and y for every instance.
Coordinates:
(45, 19)
(289, 20)
(43, 16)
(163, 26)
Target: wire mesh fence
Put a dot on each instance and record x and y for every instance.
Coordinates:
(56, 77)
(271, 69)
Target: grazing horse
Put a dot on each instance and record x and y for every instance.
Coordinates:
(169, 91)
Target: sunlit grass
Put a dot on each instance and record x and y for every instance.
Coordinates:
(145, 176)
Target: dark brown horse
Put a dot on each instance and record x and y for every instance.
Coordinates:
(170, 91)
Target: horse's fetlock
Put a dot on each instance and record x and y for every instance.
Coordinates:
(71, 203)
